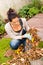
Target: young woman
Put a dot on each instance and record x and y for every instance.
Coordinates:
(16, 28)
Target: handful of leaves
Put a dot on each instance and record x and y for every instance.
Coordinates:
(35, 38)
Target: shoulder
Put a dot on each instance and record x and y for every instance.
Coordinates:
(7, 25)
(23, 19)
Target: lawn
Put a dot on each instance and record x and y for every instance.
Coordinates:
(41, 44)
(4, 45)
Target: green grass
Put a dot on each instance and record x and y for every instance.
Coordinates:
(4, 45)
(40, 44)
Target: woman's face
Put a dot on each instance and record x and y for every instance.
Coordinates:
(16, 24)
(15, 20)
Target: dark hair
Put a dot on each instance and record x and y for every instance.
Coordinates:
(12, 14)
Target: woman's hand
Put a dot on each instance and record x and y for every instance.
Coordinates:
(27, 35)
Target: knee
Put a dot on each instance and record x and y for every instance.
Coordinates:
(14, 44)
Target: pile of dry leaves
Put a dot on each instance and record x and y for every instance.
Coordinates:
(26, 57)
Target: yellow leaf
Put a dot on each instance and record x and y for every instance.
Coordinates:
(32, 39)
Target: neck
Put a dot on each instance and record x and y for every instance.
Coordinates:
(16, 28)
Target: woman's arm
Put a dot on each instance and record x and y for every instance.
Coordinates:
(27, 27)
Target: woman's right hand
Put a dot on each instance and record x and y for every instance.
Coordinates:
(27, 35)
